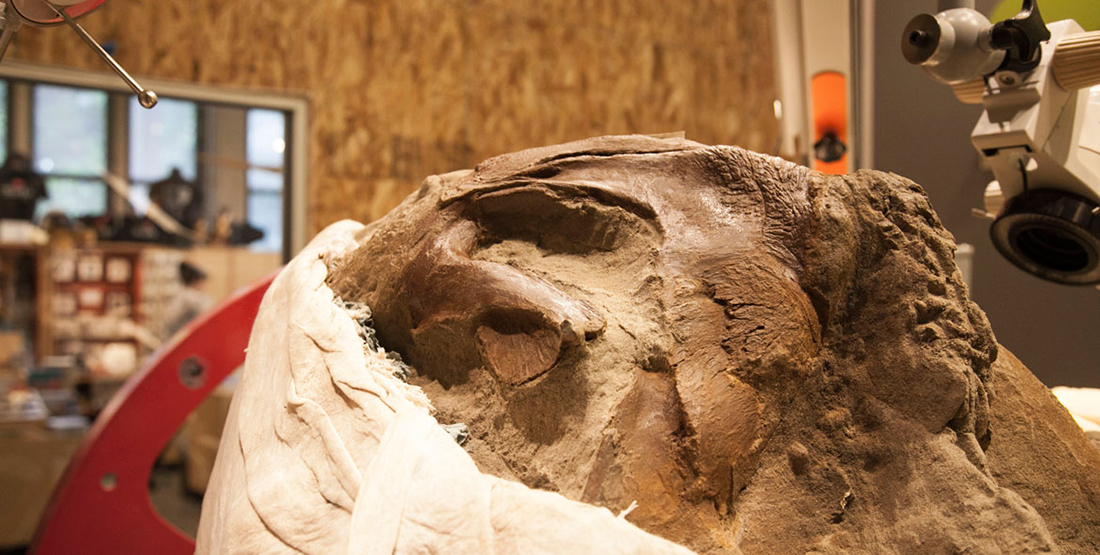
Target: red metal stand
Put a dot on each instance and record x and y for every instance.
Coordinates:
(102, 505)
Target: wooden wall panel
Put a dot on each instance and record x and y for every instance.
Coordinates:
(400, 89)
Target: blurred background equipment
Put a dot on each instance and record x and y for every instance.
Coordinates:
(191, 301)
(824, 56)
(178, 197)
(20, 188)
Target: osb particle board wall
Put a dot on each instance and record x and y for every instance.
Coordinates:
(401, 89)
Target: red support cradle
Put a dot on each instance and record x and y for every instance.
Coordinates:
(102, 505)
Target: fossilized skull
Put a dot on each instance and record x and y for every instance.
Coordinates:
(756, 354)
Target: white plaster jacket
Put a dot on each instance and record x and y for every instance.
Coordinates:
(326, 452)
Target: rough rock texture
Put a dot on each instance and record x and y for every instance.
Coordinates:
(1037, 452)
(761, 356)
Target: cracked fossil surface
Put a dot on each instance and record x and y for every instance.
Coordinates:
(764, 359)
(758, 354)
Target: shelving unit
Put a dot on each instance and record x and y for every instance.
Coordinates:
(90, 296)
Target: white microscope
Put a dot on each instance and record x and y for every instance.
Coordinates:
(1039, 132)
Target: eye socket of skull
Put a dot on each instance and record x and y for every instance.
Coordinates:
(519, 322)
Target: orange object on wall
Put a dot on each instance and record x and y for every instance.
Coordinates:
(829, 102)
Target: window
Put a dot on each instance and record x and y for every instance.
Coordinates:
(161, 140)
(75, 126)
(266, 151)
(69, 149)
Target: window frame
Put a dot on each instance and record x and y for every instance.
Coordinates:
(6, 142)
(251, 191)
(21, 75)
(31, 111)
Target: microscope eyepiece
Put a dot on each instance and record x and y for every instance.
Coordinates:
(1051, 234)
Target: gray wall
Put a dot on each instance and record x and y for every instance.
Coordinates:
(923, 133)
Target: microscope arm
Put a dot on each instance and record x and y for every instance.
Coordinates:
(1038, 132)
